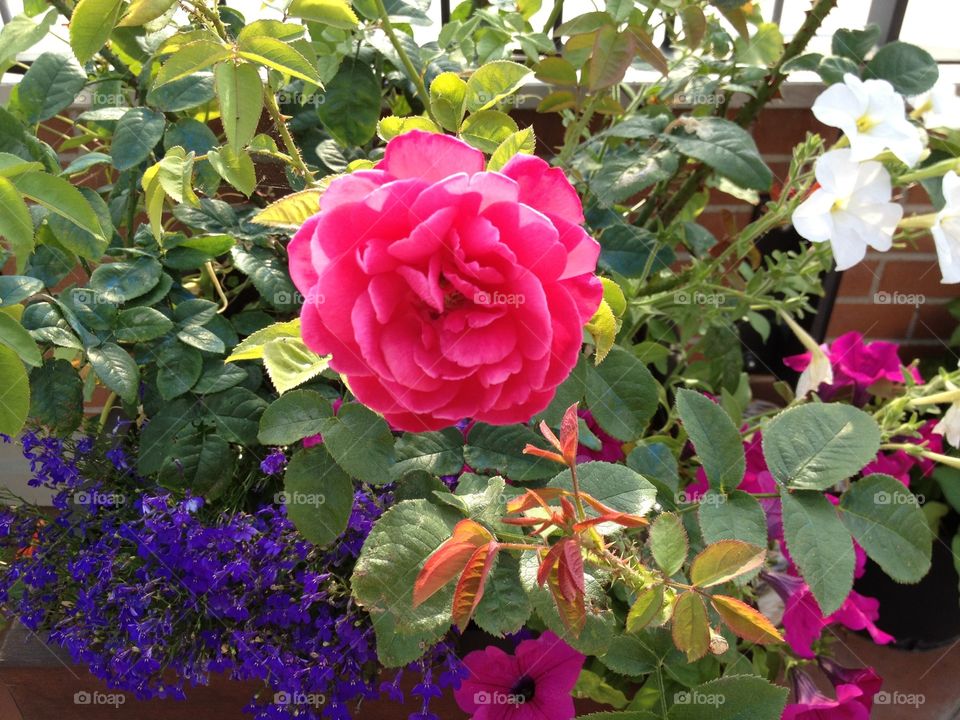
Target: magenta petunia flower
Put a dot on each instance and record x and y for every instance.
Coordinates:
(443, 291)
(532, 684)
(852, 701)
(858, 365)
(611, 449)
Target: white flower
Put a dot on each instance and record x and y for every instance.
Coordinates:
(939, 107)
(949, 425)
(818, 372)
(871, 115)
(851, 208)
(946, 230)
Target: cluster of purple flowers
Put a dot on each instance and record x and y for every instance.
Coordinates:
(155, 591)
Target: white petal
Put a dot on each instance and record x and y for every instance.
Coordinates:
(838, 106)
(836, 172)
(948, 252)
(873, 184)
(865, 146)
(848, 248)
(812, 219)
(951, 190)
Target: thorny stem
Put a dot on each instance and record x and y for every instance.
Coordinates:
(411, 71)
(296, 159)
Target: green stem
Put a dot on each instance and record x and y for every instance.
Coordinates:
(553, 17)
(409, 68)
(931, 171)
(296, 159)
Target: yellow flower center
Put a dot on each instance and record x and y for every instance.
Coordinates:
(840, 204)
(865, 123)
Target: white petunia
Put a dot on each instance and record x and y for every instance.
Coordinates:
(946, 230)
(939, 107)
(851, 208)
(818, 372)
(872, 116)
(949, 425)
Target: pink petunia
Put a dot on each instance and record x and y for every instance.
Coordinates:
(444, 291)
(534, 683)
(810, 704)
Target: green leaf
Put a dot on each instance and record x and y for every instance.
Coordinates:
(813, 447)
(645, 608)
(820, 546)
(15, 399)
(290, 211)
(269, 275)
(723, 561)
(16, 226)
(911, 70)
(241, 101)
(251, 348)
(691, 626)
(622, 176)
(734, 697)
(392, 126)
(726, 147)
(116, 369)
(16, 288)
(191, 59)
(668, 543)
(294, 416)
(438, 453)
(178, 368)
(616, 486)
(763, 48)
(279, 56)
(493, 82)
(626, 249)
(236, 167)
(382, 580)
(194, 252)
(60, 197)
(173, 421)
(137, 134)
(77, 240)
(91, 24)
(335, 13)
(448, 100)
(318, 495)
(21, 34)
(737, 516)
(621, 394)
(886, 519)
(201, 339)
(361, 443)
(141, 324)
(499, 449)
(16, 337)
(855, 44)
(141, 12)
(57, 396)
(236, 413)
(522, 141)
(351, 103)
(50, 85)
(612, 53)
(504, 607)
(198, 463)
(217, 377)
(715, 437)
(655, 461)
(290, 363)
(122, 281)
(487, 130)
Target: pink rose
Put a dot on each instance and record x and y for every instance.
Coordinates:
(443, 291)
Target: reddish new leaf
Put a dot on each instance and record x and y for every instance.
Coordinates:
(570, 578)
(540, 452)
(548, 563)
(534, 498)
(747, 622)
(449, 560)
(470, 586)
(573, 613)
(548, 434)
(570, 434)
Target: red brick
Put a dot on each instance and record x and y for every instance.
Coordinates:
(858, 280)
(778, 130)
(934, 321)
(875, 321)
(915, 277)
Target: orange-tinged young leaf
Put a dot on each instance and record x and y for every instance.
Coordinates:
(449, 560)
(747, 622)
(540, 452)
(570, 434)
(570, 578)
(724, 560)
(470, 585)
(616, 517)
(534, 498)
(691, 626)
(569, 513)
(548, 563)
(573, 613)
(548, 434)
(645, 608)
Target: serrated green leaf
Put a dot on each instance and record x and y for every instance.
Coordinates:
(318, 495)
(191, 59)
(50, 85)
(57, 396)
(116, 369)
(16, 337)
(361, 443)
(60, 197)
(236, 167)
(668, 543)
(15, 398)
(294, 416)
(240, 92)
(622, 394)
(715, 438)
(499, 449)
(290, 363)
(91, 24)
(448, 100)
